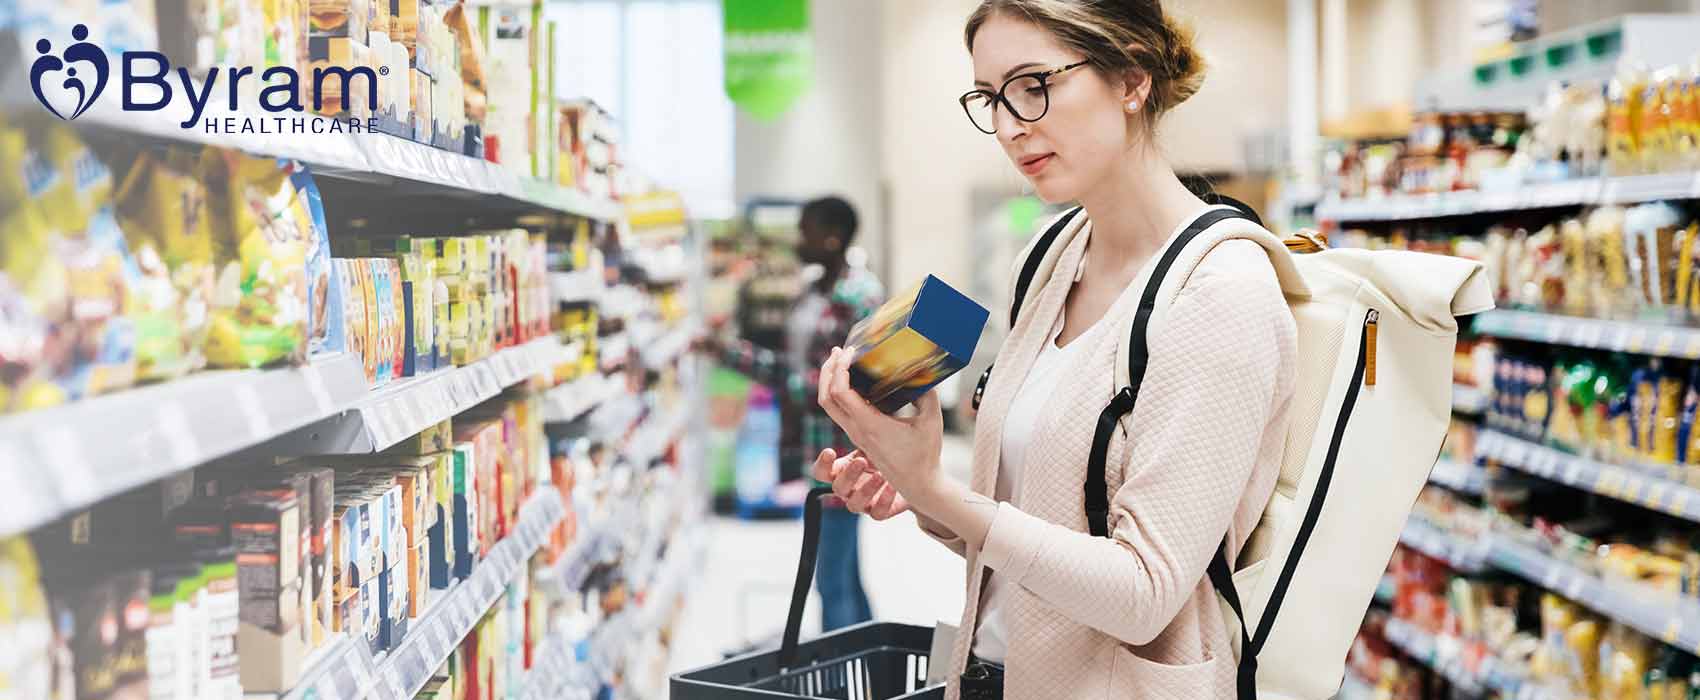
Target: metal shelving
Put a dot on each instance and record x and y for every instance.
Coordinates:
(1569, 193)
(1469, 557)
(1643, 338)
(1648, 486)
(348, 670)
(1468, 399)
(1463, 477)
(1673, 619)
(569, 401)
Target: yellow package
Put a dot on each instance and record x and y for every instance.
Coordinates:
(163, 210)
(1624, 658)
(1623, 120)
(1653, 130)
(1611, 262)
(1573, 239)
(259, 311)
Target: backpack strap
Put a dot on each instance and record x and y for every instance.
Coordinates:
(1023, 280)
(1096, 489)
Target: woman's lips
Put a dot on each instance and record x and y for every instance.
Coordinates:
(1032, 166)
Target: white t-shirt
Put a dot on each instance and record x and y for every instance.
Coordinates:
(989, 641)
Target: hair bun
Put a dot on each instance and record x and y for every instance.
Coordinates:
(1182, 64)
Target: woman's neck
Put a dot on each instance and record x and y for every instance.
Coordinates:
(1136, 208)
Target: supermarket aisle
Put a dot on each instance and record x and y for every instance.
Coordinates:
(749, 567)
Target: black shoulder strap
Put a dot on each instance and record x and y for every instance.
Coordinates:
(1096, 490)
(1029, 268)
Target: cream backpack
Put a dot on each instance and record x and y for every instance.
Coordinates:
(1376, 332)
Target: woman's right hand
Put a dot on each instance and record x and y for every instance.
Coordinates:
(859, 484)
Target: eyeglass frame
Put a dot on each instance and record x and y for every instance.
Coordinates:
(1044, 78)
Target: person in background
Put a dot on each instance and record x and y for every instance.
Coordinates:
(819, 321)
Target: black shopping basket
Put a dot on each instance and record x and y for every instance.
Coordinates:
(870, 661)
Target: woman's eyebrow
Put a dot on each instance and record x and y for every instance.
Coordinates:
(1010, 72)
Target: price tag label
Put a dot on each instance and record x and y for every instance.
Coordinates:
(1637, 340)
(178, 434)
(1667, 340)
(59, 447)
(1573, 590)
(315, 383)
(1633, 488)
(393, 676)
(1550, 578)
(253, 412)
(1672, 630)
(1679, 501)
(1655, 496)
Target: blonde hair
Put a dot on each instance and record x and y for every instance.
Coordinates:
(1115, 36)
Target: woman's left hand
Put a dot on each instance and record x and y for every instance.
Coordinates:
(904, 450)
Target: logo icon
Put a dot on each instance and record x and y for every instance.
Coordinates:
(80, 52)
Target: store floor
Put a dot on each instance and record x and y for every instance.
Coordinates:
(749, 568)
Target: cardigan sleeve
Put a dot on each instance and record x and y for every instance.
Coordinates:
(1220, 370)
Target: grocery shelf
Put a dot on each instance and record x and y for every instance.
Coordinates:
(662, 351)
(1646, 486)
(613, 350)
(578, 286)
(1664, 616)
(1568, 193)
(1463, 556)
(376, 158)
(404, 408)
(56, 460)
(573, 399)
(1464, 477)
(657, 433)
(349, 671)
(1441, 654)
(1469, 399)
(1446, 655)
(1639, 337)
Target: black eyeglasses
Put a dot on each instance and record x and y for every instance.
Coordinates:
(1032, 98)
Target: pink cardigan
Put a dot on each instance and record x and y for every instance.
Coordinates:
(1133, 616)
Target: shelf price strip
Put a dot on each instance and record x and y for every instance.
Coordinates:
(1663, 616)
(1619, 336)
(1641, 486)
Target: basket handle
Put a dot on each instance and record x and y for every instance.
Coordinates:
(805, 575)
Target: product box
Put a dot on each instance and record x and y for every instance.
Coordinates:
(370, 346)
(394, 611)
(405, 29)
(353, 307)
(421, 102)
(341, 54)
(388, 292)
(418, 577)
(270, 662)
(317, 576)
(339, 19)
(439, 437)
(465, 520)
(325, 305)
(398, 319)
(382, 15)
(265, 528)
(371, 615)
(913, 342)
(441, 533)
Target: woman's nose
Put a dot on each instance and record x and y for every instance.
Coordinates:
(1008, 127)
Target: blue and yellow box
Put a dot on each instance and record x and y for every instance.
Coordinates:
(913, 342)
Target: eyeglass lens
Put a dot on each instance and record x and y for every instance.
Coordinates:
(1026, 96)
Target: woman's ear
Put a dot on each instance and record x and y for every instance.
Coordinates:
(1136, 89)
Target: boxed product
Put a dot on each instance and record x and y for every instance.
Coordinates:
(321, 528)
(466, 545)
(371, 614)
(437, 437)
(265, 529)
(398, 319)
(325, 306)
(405, 29)
(340, 19)
(394, 612)
(341, 54)
(440, 536)
(913, 342)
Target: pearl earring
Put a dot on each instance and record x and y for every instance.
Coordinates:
(1133, 106)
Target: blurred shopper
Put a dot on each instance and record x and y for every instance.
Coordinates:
(1073, 92)
(818, 322)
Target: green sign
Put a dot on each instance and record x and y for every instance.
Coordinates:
(769, 54)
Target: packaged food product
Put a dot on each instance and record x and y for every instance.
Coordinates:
(1623, 120)
(1667, 415)
(1605, 234)
(25, 622)
(913, 342)
(342, 54)
(374, 344)
(259, 311)
(164, 210)
(325, 307)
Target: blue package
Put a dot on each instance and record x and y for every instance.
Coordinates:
(325, 326)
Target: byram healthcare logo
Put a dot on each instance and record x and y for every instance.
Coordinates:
(80, 52)
(67, 84)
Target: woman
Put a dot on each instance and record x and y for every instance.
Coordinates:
(1073, 92)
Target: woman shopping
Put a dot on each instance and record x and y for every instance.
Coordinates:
(1074, 92)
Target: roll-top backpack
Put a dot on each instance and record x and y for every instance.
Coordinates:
(1371, 404)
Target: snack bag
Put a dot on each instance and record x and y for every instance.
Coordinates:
(162, 207)
(325, 327)
(259, 314)
(1623, 120)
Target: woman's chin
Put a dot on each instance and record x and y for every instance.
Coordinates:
(1049, 190)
